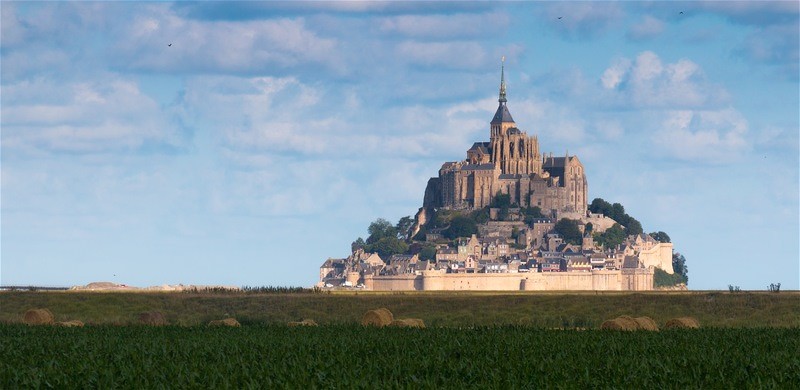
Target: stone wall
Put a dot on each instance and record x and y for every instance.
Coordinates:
(625, 280)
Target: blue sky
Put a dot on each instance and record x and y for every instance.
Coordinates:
(269, 135)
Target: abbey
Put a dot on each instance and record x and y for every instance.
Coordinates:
(510, 163)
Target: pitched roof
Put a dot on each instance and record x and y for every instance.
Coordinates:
(502, 115)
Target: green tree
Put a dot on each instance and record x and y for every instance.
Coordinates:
(428, 252)
(589, 228)
(388, 246)
(461, 226)
(357, 244)
(612, 237)
(660, 236)
(481, 216)
(679, 266)
(632, 226)
(600, 206)
(569, 231)
(380, 228)
(403, 227)
(501, 200)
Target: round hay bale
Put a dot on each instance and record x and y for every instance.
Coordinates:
(153, 318)
(377, 317)
(620, 323)
(305, 322)
(682, 323)
(646, 323)
(409, 323)
(612, 324)
(628, 323)
(38, 317)
(70, 324)
(225, 322)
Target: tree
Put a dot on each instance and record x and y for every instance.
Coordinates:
(679, 266)
(357, 244)
(428, 252)
(501, 200)
(569, 231)
(632, 226)
(388, 246)
(481, 216)
(403, 227)
(380, 228)
(589, 228)
(612, 237)
(600, 206)
(461, 226)
(660, 236)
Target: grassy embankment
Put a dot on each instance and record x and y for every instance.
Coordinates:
(548, 310)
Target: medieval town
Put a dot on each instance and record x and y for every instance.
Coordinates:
(507, 218)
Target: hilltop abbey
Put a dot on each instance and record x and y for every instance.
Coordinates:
(510, 163)
(517, 244)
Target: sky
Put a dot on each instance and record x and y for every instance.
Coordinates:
(245, 143)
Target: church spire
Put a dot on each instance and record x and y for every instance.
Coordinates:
(502, 98)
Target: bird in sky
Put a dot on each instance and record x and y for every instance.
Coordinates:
(170, 45)
(560, 17)
(681, 12)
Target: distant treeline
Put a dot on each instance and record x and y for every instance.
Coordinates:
(32, 288)
(256, 290)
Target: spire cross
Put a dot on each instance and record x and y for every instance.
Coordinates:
(502, 98)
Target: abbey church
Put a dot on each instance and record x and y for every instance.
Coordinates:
(510, 163)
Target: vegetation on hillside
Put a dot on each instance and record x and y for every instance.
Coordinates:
(617, 212)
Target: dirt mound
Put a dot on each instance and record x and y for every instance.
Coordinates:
(153, 318)
(225, 322)
(682, 323)
(646, 323)
(377, 317)
(305, 322)
(38, 317)
(409, 323)
(70, 324)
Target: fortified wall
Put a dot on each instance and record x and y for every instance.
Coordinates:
(640, 279)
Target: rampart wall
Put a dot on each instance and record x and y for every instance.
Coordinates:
(624, 280)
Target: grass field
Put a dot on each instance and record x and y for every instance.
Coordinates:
(351, 356)
(544, 310)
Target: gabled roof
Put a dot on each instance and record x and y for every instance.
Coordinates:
(481, 146)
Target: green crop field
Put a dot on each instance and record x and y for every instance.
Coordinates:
(351, 356)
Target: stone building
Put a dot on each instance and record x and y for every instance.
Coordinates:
(510, 163)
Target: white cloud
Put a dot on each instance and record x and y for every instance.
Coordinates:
(583, 19)
(103, 115)
(613, 76)
(450, 55)
(649, 83)
(221, 46)
(458, 26)
(648, 28)
(706, 136)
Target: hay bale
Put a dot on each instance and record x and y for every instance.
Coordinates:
(225, 322)
(646, 323)
(377, 317)
(153, 318)
(409, 323)
(38, 317)
(682, 323)
(305, 322)
(70, 324)
(620, 323)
